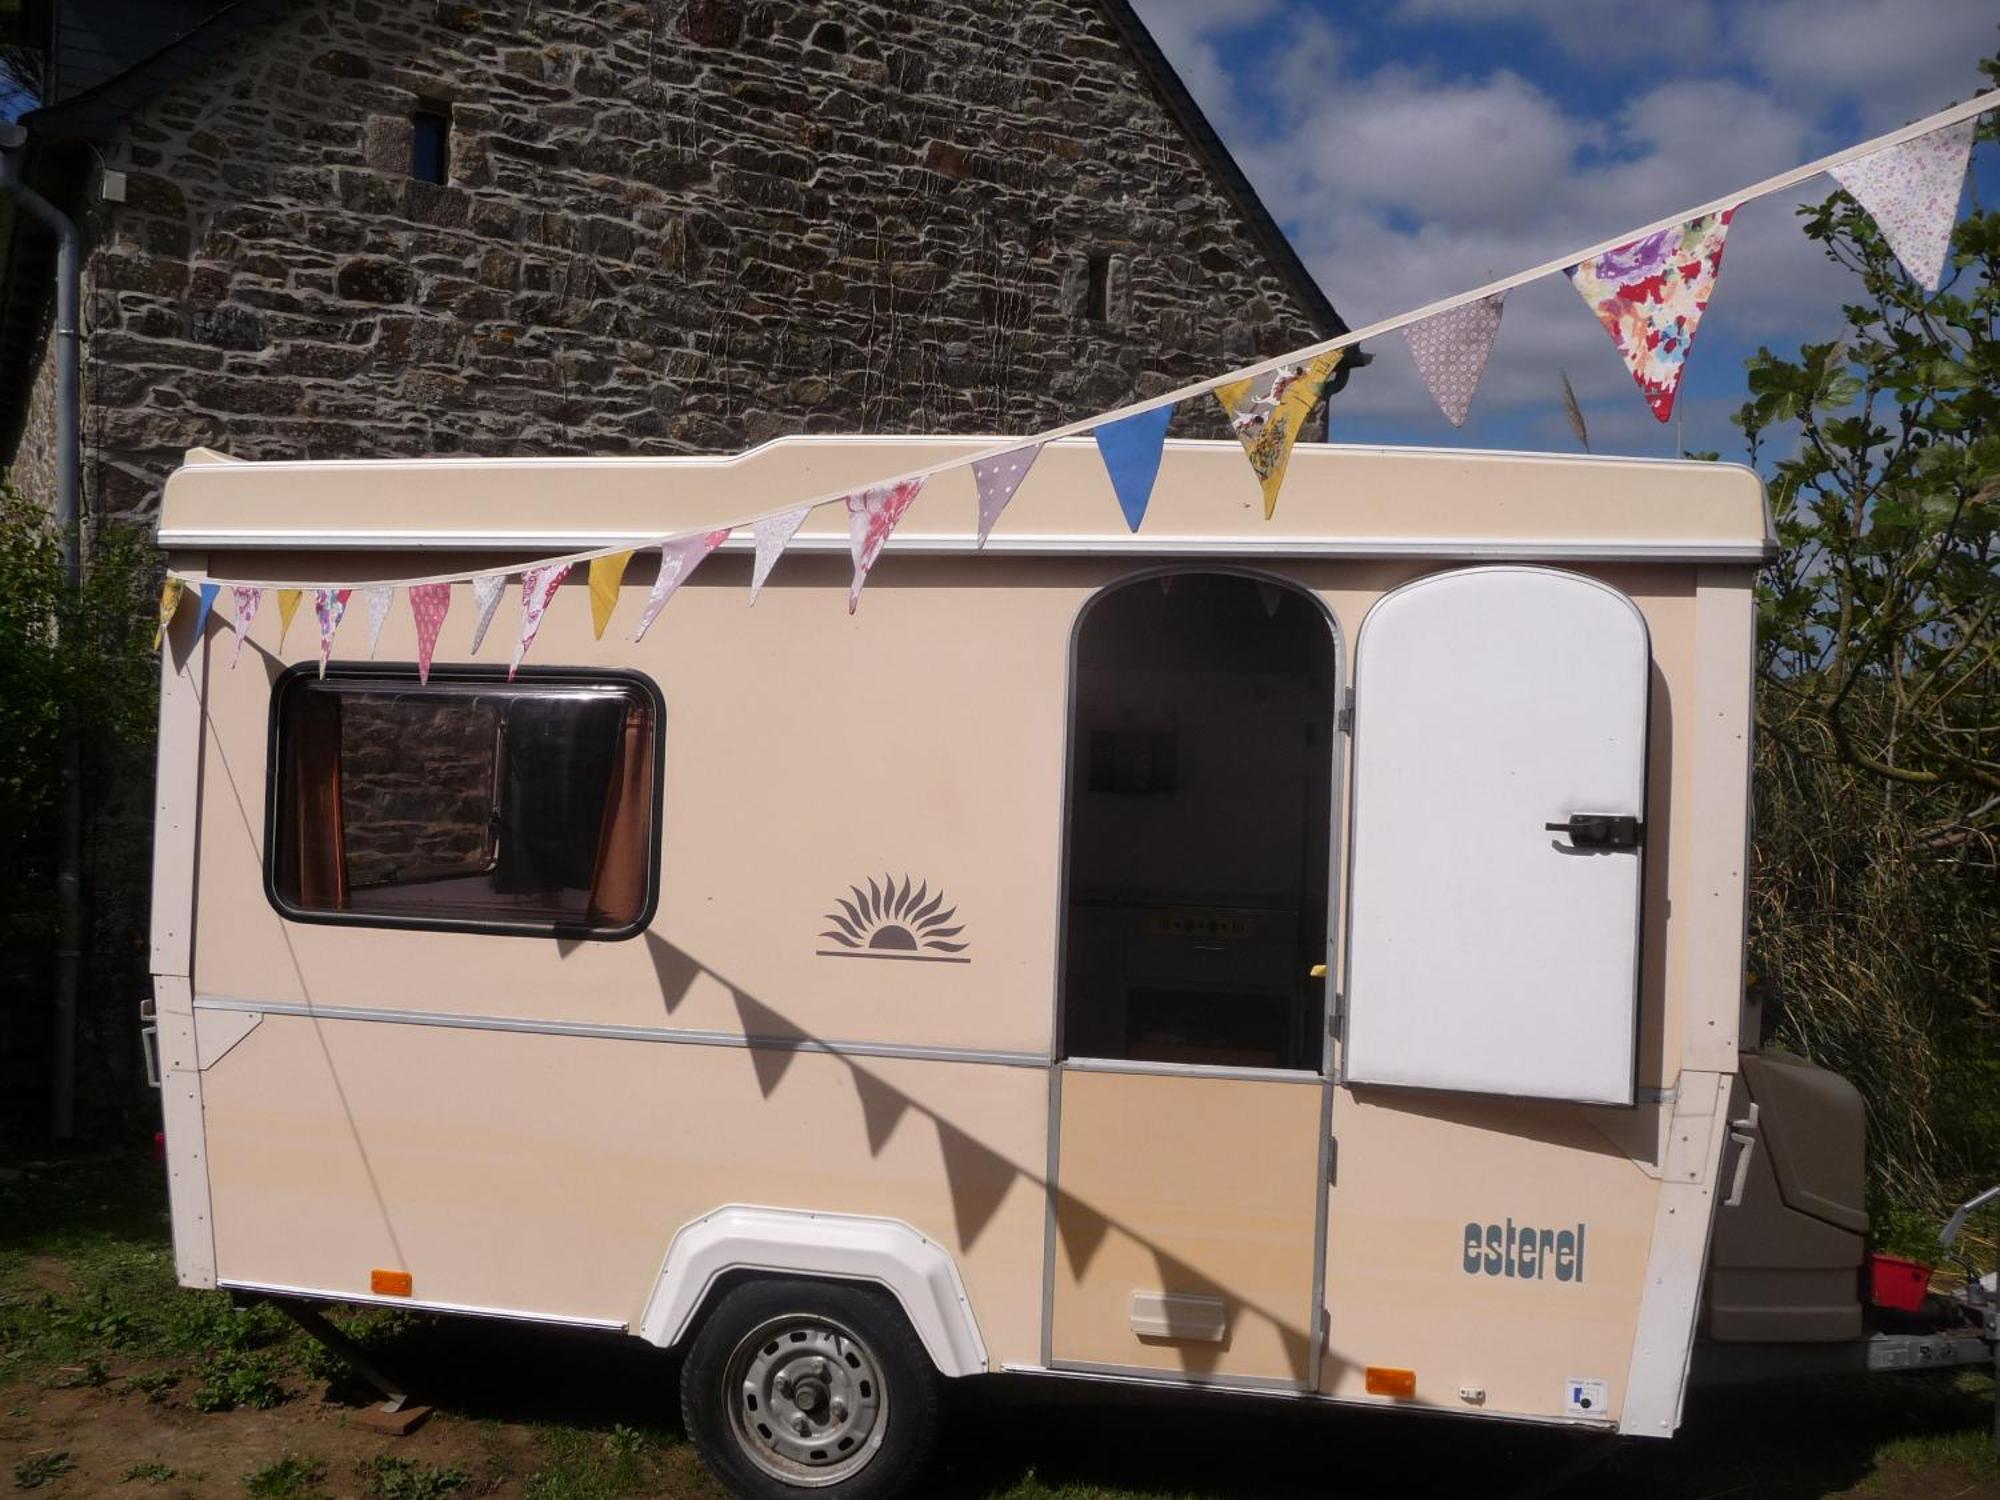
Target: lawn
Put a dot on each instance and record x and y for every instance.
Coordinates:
(115, 1382)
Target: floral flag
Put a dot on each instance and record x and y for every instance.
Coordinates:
(1450, 349)
(773, 533)
(1266, 412)
(246, 602)
(606, 573)
(1649, 295)
(871, 515)
(379, 600)
(170, 602)
(288, 605)
(1911, 191)
(538, 591)
(1130, 448)
(998, 477)
(486, 591)
(329, 605)
(678, 560)
(207, 607)
(428, 604)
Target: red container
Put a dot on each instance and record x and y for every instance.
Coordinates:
(1897, 1283)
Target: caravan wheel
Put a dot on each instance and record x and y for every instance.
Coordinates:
(799, 1385)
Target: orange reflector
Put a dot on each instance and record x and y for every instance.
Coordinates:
(1385, 1381)
(397, 1284)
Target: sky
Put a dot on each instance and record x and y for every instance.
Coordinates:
(1413, 149)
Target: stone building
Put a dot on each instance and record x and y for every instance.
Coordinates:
(337, 228)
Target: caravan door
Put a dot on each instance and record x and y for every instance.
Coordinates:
(1498, 821)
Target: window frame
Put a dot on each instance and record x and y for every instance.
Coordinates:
(396, 675)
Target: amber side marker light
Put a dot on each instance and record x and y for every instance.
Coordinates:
(398, 1283)
(1384, 1380)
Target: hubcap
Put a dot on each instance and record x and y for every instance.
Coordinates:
(807, 1403)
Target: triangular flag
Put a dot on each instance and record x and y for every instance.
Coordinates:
(246, 602)
(538, 591)
(1131, 448)
(678, 560)
(1911, 191)
(329, 605)
(871, 515)
(606, 573)
(379, 600)
(1266, 412)
(428, 604)
(170, 602)
(486, 591)
(1650, 295)
(998, 477)
(772, 533)
(288, 605)
(208, 593)
(1450, 349)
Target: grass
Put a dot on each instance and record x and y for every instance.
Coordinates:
(293, 1477)
(585, 1465)
(151, 1473)
(384, 1477)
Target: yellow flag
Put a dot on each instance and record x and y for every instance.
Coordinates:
(605, 575)
(1266, 412)
(170, 600)
(288, 605)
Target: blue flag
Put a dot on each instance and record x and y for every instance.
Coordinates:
(1131, 450)
(208, 593)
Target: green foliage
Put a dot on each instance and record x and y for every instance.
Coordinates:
(581, 1465)
(239, 1382)
(38, 1469)
(293, 1477)
(1876, 897)
(152, 1473)
(387, 1478)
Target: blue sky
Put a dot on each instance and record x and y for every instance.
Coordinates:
(1416, 148)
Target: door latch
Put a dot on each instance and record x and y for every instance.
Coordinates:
(1601, 831)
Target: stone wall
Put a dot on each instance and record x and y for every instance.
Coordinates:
(667, 227)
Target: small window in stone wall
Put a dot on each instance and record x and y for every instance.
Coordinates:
(430, 143)
(1097, 296)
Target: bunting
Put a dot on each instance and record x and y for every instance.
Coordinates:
(997, 479)
(606, 574)
(538, 591)
(170, 603)
(871, 515)
(1650, 294)
(288, 605)
(486, 592)
(330, 605)
(1266, 412)
(244, 605)
(773, 534)
(1451, 348)
(207, 607)
(1911, 191)
(1130, 448)
(379, 600)
(679, 558)
(429, 602)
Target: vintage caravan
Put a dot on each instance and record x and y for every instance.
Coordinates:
(1300, 956)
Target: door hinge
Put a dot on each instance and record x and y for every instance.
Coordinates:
(1345, 718)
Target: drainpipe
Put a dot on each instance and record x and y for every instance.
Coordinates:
(69, 855)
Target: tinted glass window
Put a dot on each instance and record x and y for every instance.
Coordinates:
(527, 806)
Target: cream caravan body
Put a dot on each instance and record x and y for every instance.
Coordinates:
(1341, 989)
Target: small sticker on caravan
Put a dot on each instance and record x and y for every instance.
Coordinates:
(1585, 1398)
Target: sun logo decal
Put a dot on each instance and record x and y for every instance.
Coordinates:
(891, 921)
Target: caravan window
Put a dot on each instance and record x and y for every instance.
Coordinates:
(469, 802)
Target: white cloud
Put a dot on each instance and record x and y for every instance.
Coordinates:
(1891, 58)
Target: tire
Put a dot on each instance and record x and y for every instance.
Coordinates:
(809, 1387)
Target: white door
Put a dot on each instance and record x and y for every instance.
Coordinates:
(1499, 799)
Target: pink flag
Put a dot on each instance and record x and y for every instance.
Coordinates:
(1650, 294)
(871, 515)
(1450, 349)
(998, 477)
(329, 605)
(678, 560)
(379, 600)
(538, 591)
(245, 602)
(1912, 191)
(486, 591)
(428, 603)
(772, 533)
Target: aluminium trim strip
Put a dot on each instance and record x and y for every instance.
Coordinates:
(1276, 1384)
(623, 1033)
(512, 1315)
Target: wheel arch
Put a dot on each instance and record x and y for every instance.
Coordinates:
(741, 1243)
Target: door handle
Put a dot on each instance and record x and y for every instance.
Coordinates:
(1601, 830)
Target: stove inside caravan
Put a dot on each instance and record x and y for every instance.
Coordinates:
(1200, 813)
